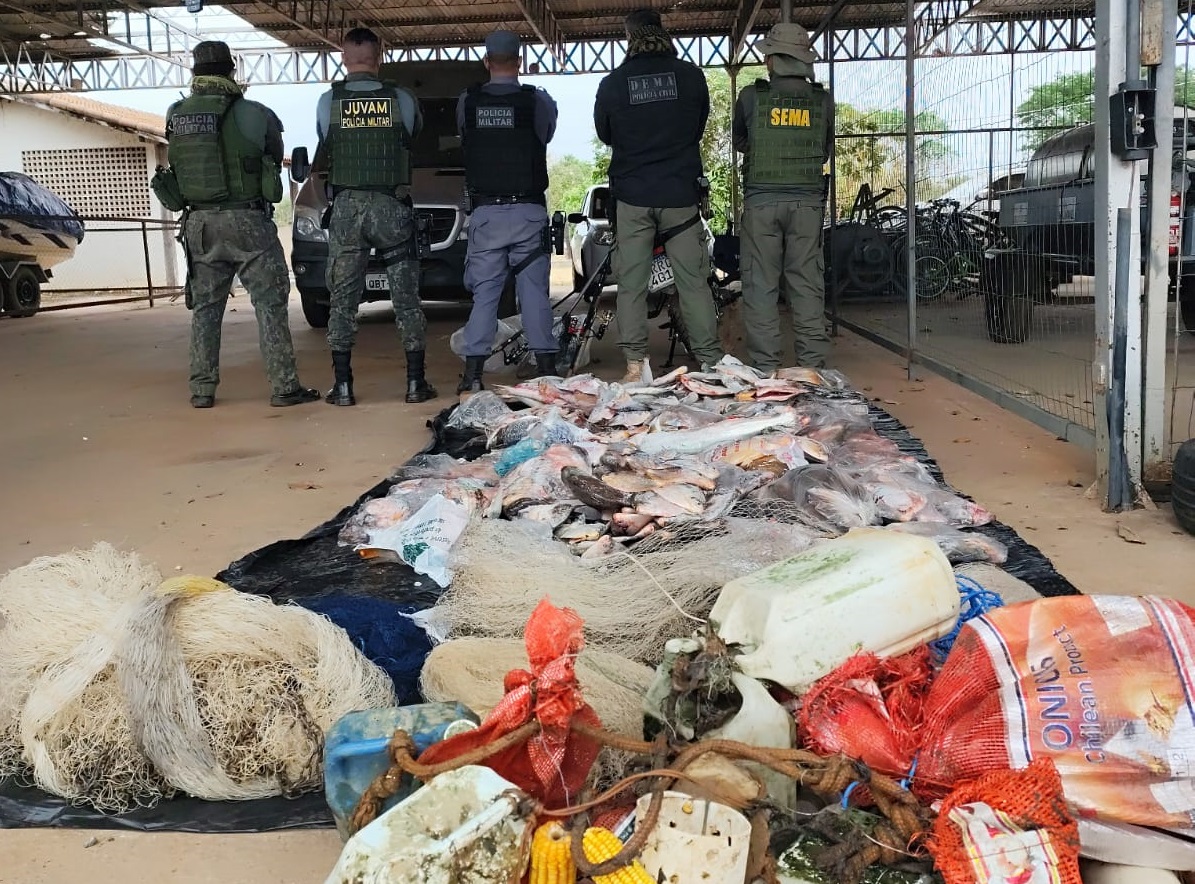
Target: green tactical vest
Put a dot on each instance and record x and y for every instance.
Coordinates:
(215, 164)
(788, 139)
(369, 147)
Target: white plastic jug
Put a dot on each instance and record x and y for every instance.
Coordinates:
(870, 590)
(461, 828)
(695, 841)
(761, 721)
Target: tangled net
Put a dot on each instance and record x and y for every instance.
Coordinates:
(143, 688)
(632, 601)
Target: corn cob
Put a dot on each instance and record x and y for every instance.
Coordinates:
(602, 844)
(551, 856)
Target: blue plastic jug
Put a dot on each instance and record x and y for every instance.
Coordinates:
(355, 751)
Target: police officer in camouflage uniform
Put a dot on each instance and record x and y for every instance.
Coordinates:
(225, 173)
(365, 129)
(505, 129)
(652, 112)
(784, 127)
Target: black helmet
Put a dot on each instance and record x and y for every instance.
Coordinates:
(212, 58)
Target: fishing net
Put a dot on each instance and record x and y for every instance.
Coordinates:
(187, 685)
(632, 600)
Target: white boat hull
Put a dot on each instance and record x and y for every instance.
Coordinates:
(26, 242)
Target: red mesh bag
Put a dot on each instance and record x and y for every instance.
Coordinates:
(1007, 827)
(869, 709)
(551, 766)
(1100, 685)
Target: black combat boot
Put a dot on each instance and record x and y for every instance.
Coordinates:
(471, 380)
(342, 385)
(545, 365)
(418, 389)
(199, 400)
(298, 396)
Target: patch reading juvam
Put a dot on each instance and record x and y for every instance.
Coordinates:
(366, 113)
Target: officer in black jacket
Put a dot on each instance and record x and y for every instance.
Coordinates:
(652, 111)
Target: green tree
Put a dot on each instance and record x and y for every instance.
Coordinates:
(869, 148)
(568, 179)
(1069, 100)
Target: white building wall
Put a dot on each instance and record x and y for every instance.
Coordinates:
(111, 181)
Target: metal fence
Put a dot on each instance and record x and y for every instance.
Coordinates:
(135, 259)
(977, 123)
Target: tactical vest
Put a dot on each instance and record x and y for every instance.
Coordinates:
(503, 155)
(369, 147)
(215, 164)
(788, 139)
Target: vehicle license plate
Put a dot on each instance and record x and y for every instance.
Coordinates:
(661, 273)
(377, 282)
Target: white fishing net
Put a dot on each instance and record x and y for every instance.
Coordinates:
(187, 685)
(632, 601)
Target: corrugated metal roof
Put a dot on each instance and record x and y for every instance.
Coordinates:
(146, 125)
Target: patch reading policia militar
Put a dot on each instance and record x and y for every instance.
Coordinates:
(194, 124)
(495, 118)
(366, 113)
(788, 117)
(652, 87)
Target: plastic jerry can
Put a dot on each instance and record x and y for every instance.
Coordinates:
(695, 841)
(869, 591)
(463, 827)
(355, 750)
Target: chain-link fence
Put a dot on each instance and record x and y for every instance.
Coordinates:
(1004, 227)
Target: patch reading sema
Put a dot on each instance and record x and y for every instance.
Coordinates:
(194, 124)
(652, 87)
(787, 117)
(366, 113)
(495, 118)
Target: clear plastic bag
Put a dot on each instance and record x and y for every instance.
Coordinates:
(960, 547)
(445, 466)
(506, 330)
(481, 411)
(826, 498)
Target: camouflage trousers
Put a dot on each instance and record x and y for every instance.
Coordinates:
(221, 244)
(362, 220)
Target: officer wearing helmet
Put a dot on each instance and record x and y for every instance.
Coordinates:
(365, 128)
(225, 175)
(784, 127)
(505, 129)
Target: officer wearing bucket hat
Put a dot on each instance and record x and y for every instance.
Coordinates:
(225, 175)
(505, 129)
(784, 127)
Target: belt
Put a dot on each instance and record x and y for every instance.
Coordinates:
(509, 200)
(259, 205)
(375, 188)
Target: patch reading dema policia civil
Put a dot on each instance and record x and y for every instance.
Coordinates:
(366, 113)
(194, 124)
(652, 87)
(494, 117)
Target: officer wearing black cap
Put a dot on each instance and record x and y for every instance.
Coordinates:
(505, 129)
(225, 173)
(652, 112)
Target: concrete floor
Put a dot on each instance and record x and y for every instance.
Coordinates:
(1052, 370)
(101, 445)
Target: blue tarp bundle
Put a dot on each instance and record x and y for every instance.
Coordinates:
(24, 200)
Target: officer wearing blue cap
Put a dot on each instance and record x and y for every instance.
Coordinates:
(505, 129)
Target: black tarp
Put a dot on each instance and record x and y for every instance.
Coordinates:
(24, 200)
(315, 567)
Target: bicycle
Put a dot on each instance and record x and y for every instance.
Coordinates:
(577, 333)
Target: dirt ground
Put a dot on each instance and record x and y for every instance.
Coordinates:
(100, 444)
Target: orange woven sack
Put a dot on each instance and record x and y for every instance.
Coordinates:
(870, 709)
(1007, 827)
(1101, 685)
(553, 765)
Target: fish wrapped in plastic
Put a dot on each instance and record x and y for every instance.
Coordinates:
(538, 481)
(481, 411)
(407, 498)
(831, 423)
(445, 466)
(960, 547)
(823, 497)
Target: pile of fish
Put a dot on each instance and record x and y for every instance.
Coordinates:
(597, 464)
